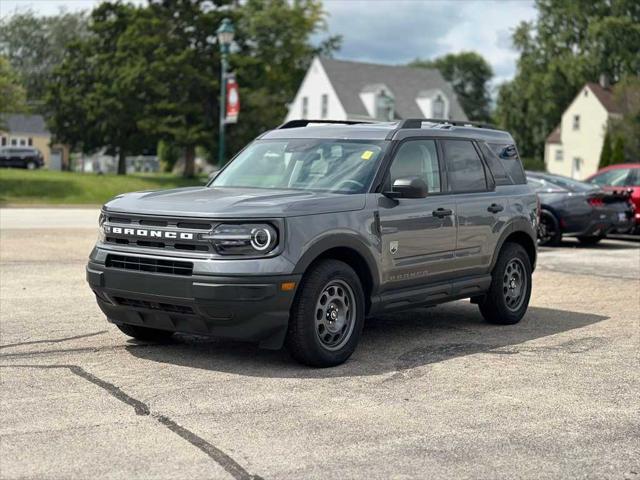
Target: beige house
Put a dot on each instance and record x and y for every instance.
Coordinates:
(573, 148)
(19, 130)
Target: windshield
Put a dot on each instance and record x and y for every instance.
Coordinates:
(340, 166)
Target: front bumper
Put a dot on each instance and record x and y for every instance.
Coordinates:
(253, 308)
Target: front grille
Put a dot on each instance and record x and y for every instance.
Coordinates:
(165, 307)
(136, 231)
(153, 265)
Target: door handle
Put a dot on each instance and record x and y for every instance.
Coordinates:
(495, 208)
(442, 212)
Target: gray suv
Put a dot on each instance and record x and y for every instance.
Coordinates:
(317, 225)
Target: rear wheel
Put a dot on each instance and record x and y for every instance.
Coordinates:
(592, 240)
(549, 233)
(31, 165)
(507, 300)
(327, 315)
(145, 333)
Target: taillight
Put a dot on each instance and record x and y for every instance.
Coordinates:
(595, 202)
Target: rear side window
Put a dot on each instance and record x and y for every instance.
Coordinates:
(510, 160)
(465, 171)
(495, 165)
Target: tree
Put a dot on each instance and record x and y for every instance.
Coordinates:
(605, 155)
(617, 156)
(95, 100)
(469, 74)
(568, 45)
(35, 45)
(12, 93)
(627, 125)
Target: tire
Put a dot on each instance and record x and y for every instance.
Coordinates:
(549, 233)
(145, 333)
(593, 240)
(327, 315)
(31, 165)
(511, 275)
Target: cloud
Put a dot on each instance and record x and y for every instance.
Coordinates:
(396, 32)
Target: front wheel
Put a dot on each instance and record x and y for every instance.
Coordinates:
(507, 300)
(31, 165)
(549, 233)
(327, 315)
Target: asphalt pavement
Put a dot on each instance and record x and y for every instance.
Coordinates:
(432, 393)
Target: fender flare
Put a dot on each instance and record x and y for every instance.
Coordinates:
(332, 240)
(515, 226)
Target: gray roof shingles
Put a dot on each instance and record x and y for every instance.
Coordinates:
(349, 79)
(21, 123)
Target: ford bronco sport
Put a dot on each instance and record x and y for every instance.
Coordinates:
(317, 225)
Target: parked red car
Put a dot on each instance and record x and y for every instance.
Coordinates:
(620, 178)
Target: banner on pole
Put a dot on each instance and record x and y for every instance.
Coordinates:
(233, 99)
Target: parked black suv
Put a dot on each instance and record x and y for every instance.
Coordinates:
(312, 228)
(21, 157)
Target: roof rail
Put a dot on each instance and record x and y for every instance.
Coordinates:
(304, 123)
(417, 123)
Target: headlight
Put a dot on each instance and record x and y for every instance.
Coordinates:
(101, 220)
(243, 239)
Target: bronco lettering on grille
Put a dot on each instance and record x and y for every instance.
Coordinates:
(143, 232)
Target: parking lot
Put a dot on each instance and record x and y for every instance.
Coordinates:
(433, 393)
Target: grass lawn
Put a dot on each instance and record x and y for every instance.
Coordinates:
(41, 187)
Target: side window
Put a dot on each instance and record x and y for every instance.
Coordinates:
(508, 155)
(417, 158)
(464, 167)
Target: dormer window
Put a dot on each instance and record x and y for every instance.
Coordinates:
(384, 106)
(438, 107)
(379, 102)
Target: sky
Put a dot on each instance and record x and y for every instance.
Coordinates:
(393, 31)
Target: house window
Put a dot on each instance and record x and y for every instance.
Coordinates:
(325, 106)
(3, 141)
(30, 142)
(14, 142)
(438, 107)
(559, 155)
(384, 106)
(575, 170)
(576, 122)
(305, 107)
(23, 142)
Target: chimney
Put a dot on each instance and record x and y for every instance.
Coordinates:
(604, 81)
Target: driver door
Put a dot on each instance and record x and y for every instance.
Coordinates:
(418, 234)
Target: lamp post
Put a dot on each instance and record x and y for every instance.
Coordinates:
(225, 34)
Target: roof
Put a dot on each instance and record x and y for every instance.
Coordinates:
(605, 96)
(349, 79)
(21, 123)
(384, 131)
(555, 136)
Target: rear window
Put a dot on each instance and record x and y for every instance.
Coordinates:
(569, 183)
(507, 154)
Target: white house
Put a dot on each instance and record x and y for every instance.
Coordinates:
(345, 90)
(573, 148)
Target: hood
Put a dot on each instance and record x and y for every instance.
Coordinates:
(233, 202)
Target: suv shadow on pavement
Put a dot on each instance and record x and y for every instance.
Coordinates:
(390, 344)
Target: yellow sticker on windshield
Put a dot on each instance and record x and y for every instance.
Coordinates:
(366, 155)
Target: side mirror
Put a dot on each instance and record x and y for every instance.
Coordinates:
(408, 187)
